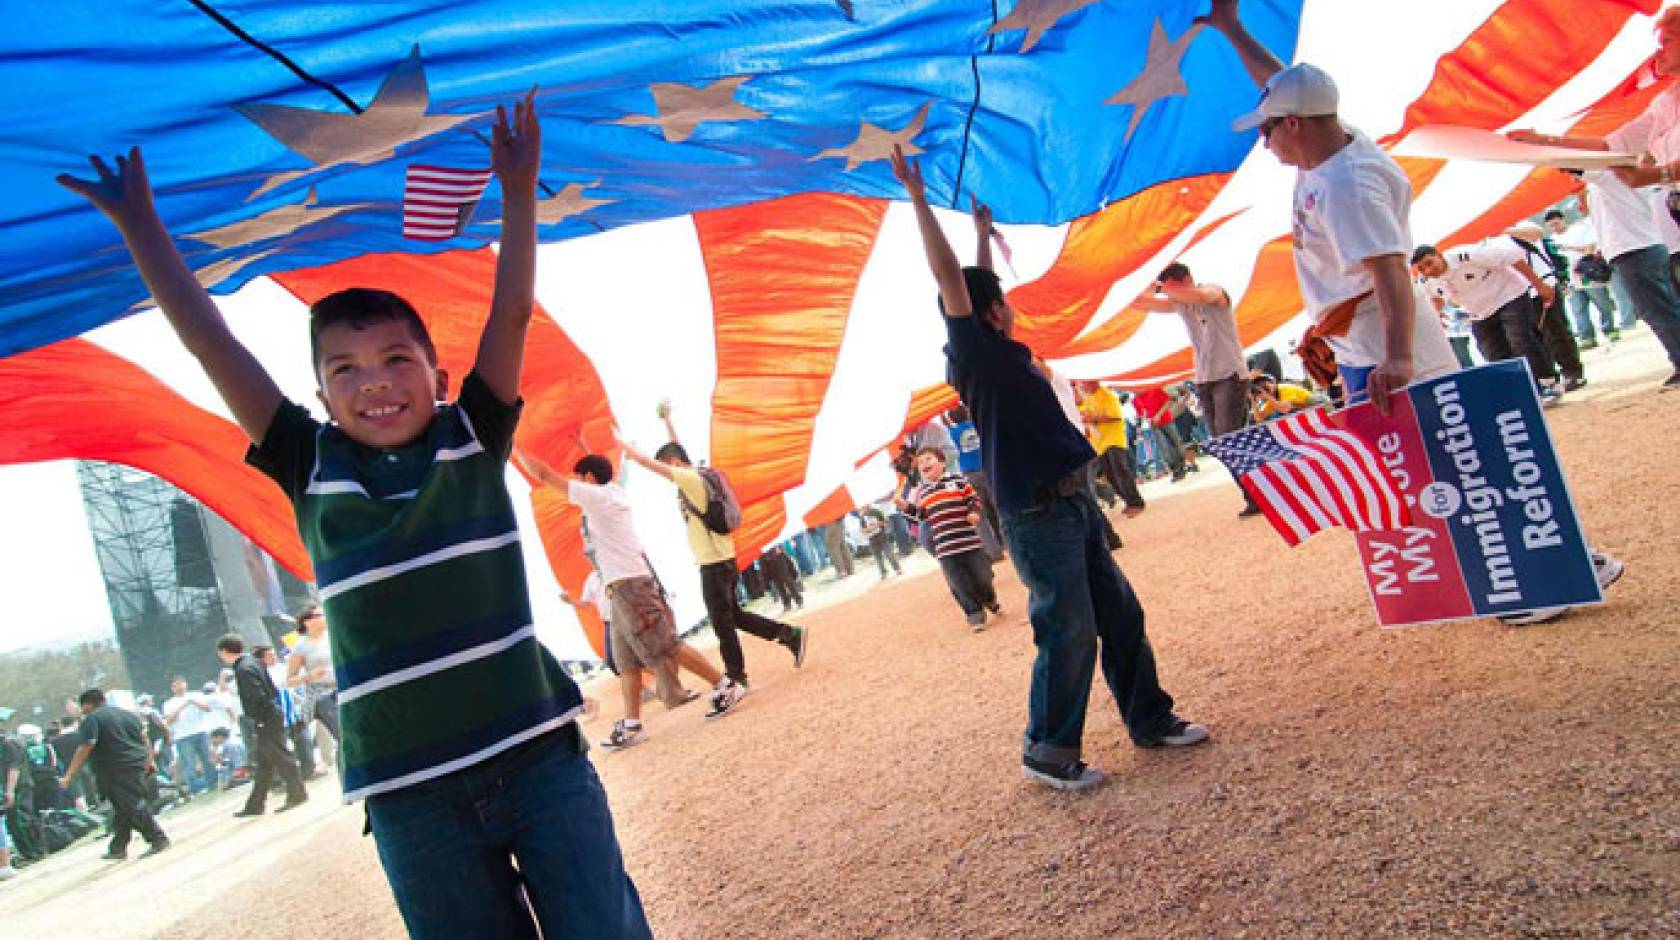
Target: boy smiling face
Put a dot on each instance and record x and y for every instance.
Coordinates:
(379, 383)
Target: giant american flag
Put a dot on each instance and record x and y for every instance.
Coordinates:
(1307, 473)
(720, 227)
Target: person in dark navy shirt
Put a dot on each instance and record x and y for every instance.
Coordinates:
(1081, 607)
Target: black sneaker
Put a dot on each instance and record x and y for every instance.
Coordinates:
(1180, 733)
(797, 643)
(155, 848)
(1672, 383)
(241, 814)
(1076, 775)
(115, 856)
(1251, 509)
(1578, 382)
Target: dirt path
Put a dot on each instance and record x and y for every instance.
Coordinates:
(1464, 780)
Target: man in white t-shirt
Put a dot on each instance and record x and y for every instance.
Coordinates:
(1643, 272)
(189, 717)
(1352, 234)
(1587, 290)
(1352, 238)
(1494, 282)
(645, 633)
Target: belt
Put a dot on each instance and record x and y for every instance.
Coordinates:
(1069, 485)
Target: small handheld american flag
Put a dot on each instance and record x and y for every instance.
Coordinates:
(1307, 474)
(438, 200)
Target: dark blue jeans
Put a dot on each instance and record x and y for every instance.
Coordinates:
(1644, 274)
(449, 846)
(1076, 598)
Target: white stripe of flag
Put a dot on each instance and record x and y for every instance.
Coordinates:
(438, 200)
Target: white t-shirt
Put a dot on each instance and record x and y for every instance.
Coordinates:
(594, 593)
(1353, 207)
(1658, 198)
(1575, 241)
(185, 717)
(1480, 278)
(1655, 131)
(316, 656)
(1622, 217)
(618, 552)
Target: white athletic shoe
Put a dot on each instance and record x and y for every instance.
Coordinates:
(623, 736)
(725, 697)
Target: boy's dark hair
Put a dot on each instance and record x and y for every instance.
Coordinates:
(361, 307)
(930, 449)
(306, 611)
(93, 697)
(672, 451)
(1174, 272)
(231, 643)
(984, 290)
(1422, 252)
(596, 467)
(219, 733)
(1553, 214)
(258, 651)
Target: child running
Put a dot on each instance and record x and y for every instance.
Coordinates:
(950, 508)
(458, 725)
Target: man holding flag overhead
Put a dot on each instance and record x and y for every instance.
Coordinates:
(1352, 233)
(1037, 458)
(1352, 243)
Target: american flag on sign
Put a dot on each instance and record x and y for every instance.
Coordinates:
(1307, 474)
(438, 200)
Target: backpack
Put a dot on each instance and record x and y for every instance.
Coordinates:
(1593, 268)
(722, 513)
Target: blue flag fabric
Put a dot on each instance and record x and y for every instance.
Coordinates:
(278, 134)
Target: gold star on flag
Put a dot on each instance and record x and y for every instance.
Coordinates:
(214, 273)
(396, 116)
(569, 201)
(874, 142)
(1037, 17)
(271, 224)
(1162, 75)
(682, 108)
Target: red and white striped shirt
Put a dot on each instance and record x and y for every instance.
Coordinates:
(944, 506)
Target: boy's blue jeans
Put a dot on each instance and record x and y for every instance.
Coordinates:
(1076, 597)
(449, 848)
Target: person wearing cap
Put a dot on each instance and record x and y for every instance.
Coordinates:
(1353, 241)
(1643, 269)
(1352, 235)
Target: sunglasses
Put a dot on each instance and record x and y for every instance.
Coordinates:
(1267, 126)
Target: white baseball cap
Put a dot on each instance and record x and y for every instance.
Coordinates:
(1302, 90)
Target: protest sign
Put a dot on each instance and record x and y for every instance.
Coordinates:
(1493, 529)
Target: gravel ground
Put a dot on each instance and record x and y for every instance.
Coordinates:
(1468, 779)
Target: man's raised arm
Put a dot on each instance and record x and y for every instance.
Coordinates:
(947, 272)
(637, 456)
(1259, 61)
(983, 233)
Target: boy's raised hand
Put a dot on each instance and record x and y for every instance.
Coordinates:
(908, 173)
(516, 148)
(125, 196)
(982, 216)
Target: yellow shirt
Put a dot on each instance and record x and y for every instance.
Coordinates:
(708, 546)
(1105, 434)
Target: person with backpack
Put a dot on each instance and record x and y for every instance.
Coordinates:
(645, 637)
(709, 507)
(1494, 283)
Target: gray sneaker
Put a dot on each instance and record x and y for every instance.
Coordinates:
(1180, 733)
(1074, 776)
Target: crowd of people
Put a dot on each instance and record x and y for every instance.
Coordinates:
(459, 730)
(270, 713)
